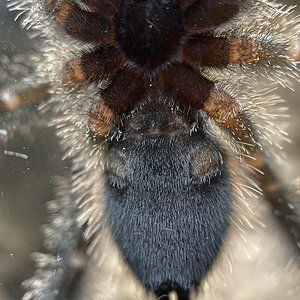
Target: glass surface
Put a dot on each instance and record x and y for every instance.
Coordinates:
(30, 160)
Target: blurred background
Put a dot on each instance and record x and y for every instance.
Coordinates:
(31, 158)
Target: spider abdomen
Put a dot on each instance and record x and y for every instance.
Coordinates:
(167, 202)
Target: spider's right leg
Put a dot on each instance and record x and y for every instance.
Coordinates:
(83, 25)
(203, 15)
(201, 93)
(12, 100)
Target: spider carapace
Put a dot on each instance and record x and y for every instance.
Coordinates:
(167, 192)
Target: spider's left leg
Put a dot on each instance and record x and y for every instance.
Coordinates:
(104, 7)
(201, 93)
(99, 64)
(126, 88)
(11, 100)
(83, 25)
(203, 15)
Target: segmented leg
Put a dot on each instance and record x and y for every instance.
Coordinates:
(12, 100)
(276, 194)
(203, 15)
(195, 90)
(225, 111)
(103, 7)
(83, 25)
(126, 88)
(200, 93)
(93, 66)
(218, 52)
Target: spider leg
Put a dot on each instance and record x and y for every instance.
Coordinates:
(58, 277)
(200, 93)
(125, 89)
(92, 66)
(203, 15)
(218, 52)
(60, 271)
(276, 194)
(83, 25)
(274, 191)
(12, 100)
(189, 84)
(103, 7)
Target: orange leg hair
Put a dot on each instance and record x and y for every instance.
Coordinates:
(104, 7)
(218, 52)
(93, 66)
(91, 28)
(125, 89)
(200, 93)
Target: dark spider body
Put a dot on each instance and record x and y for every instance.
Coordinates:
(168, 195)
(155, 214)
(169, 221)
(149, 32)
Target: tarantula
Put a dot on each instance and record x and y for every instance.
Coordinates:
(136, 106)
